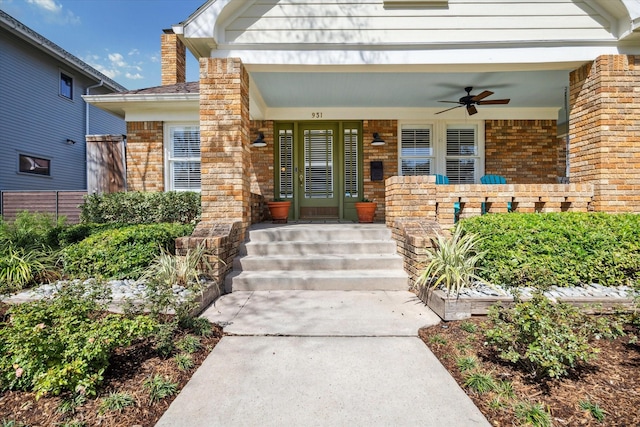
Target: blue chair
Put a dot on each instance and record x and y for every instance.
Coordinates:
(444, 180)
(494, 179)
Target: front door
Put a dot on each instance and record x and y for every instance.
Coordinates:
(320, 168)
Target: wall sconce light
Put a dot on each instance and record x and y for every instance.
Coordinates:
(377, 140)
(259, 142)
(70, 141)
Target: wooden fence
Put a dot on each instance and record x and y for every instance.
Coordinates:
(58, 203)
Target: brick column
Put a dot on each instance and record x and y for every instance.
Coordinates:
(173, 59)
(604, 131)
(224, 141)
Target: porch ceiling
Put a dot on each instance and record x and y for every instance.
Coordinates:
(362, 89)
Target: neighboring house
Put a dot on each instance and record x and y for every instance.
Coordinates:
(43, 118)
(322, 80)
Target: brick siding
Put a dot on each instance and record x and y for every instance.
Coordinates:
(388, 154)
(145, 159)
(524, 151)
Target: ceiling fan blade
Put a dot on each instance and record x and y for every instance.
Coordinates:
(448, 109)
(471, 109)
(482, 95)
(451, 102)
(494, 101)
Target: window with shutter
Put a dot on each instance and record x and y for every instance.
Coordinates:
(285, 139)
(318, 164)
(462, 151)
(416, 150)
(444, 148)
(351, 163)
(183, 158)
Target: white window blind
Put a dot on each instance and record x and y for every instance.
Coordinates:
(351, 163)
(318, 164)
(285, 142)
(184, 158)
(416, 150)
(462, 150)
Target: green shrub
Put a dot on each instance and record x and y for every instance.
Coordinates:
(546, 339)
(159, 387)
(563, 249)
(64, 344)
(116, 402)
(78, 232)
(31, 230)
(480, 382)
(20, 267)
(452, 263)
(141, 208)
(533, 414)
(122, 252)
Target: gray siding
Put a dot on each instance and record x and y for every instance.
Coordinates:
(36, 120)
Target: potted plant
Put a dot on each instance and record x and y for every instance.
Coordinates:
(366, 210)
(279, 210)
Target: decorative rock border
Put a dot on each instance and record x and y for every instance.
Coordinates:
(476, 301)
(122, 291)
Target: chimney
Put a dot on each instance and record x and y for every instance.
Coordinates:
(174, 61)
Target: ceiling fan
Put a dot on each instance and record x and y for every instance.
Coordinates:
(470, 101)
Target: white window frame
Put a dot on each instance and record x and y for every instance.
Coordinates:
(439, 143)
(169, 160)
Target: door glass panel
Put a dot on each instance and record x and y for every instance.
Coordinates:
(318, 164)
(351, 162)
(286, 163)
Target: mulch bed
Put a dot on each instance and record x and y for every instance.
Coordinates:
(612, 380)
(127, 372)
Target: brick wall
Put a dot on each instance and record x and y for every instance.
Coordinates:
(224, 141)
(388, 154)
(145, 163)
(524, 151)
(604, 129)
(419, 198)
(173, 59)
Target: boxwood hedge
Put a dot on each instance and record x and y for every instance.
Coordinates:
(563, 249)
(121, 252)
(136, 207)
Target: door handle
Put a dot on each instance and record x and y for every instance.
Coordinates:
(301, 179)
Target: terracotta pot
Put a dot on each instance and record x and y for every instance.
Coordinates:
(279, 211)
(366, 211)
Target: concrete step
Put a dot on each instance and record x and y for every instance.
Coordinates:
(347, 280)
(319, 262)
(335, 247)
(319, 232)
(318, 257)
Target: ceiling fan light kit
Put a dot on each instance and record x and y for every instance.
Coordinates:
(470, 101)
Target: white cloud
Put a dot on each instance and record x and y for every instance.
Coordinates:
(53, 12)
(114, 65)
(48, 5)
(134, 52)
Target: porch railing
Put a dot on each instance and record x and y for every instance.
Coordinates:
(419, 197)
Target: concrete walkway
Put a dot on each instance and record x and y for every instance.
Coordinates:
(321, 358)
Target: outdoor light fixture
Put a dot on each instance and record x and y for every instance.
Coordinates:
(70, 141)
(377, 140)
(259, 142)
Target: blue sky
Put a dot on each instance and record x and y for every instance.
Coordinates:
(121, 38)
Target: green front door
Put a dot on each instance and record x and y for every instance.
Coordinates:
(318, 171)
(319, 168)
